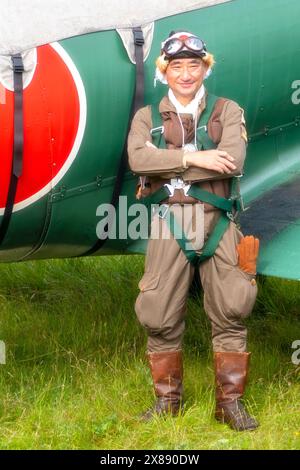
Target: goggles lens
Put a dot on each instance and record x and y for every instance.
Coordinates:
(191, 43)
(172, 46)
(194, 43)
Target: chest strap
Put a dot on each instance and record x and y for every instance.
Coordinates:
(222, 203)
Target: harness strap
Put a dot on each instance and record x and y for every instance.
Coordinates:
(204, 142)
(178, 233)
(211, 198)
(157, 197)
(222, 203)
(214, 239)
(209, 247)
(18, 143)
(157, 131)
(226, 205)
(234, 202)
(138, 38)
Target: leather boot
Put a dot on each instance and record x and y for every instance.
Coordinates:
(167, 373)
(231, 369)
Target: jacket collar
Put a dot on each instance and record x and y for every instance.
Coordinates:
(166, 105)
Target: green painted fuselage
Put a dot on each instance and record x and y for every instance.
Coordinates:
(256, 47)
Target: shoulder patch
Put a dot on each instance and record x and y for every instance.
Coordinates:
(243, 126)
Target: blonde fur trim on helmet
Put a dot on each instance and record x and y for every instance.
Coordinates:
(209, 60)
(162, 63)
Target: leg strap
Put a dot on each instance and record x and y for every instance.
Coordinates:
(209, 247)
(227, 206)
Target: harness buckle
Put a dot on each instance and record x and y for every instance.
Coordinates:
(163, 210)
(186, 189)
(239, 198)
(177, 183)
(156, 129)
(202, 127)
(242, 205)
(230, 216)
(170, 189)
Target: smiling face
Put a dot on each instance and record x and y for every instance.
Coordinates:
(185, 77)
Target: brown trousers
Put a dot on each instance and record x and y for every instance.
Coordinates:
(229, 292)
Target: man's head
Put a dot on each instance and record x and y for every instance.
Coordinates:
(183, 64)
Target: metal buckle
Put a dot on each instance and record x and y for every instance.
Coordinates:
(241, 201)
(138, 36)
(163, 210)
(155, 129)
(202, 127)
(177, 183)
(238, 196)
(18, 65)
(186, 189)
(242, 205)
(230, 216)
(170, 188)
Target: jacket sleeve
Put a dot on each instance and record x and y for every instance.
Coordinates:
(234, 135)
(233, 141)
(144, 160)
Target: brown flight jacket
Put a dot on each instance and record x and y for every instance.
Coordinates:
(227, 129)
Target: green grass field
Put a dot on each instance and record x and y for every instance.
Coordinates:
(76, 377)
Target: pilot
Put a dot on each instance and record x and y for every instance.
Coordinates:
(188, 151)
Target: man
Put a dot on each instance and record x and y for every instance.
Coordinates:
(188, 152)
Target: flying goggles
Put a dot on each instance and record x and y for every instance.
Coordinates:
(183, 43)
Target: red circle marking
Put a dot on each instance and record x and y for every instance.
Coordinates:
(51, 120)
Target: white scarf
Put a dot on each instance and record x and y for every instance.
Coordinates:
(191, 107)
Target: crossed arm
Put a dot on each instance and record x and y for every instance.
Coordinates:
(227, 159)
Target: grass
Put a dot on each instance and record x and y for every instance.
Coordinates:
(76, 377)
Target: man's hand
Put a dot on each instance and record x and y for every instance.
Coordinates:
(216, 160)
(247, 254)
